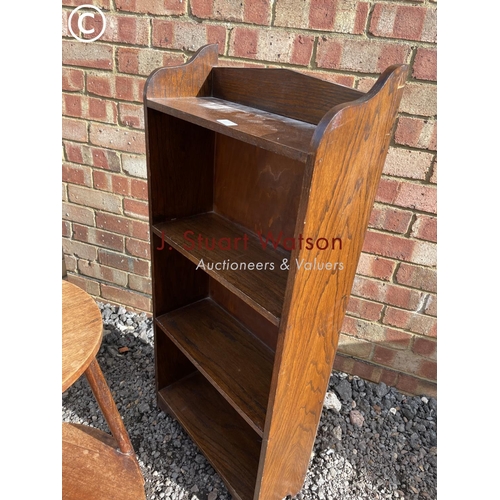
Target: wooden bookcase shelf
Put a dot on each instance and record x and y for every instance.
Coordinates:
(263, 289)
(261, 183)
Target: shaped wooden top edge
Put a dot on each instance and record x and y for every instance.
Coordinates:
(190, 79)
(389, 85)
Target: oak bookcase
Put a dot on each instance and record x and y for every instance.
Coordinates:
(261, 183)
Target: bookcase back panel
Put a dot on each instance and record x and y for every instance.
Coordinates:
(257, 189)
(178, 365)
(266, 331)
(181, 167)
(176, 281)
(287, 93)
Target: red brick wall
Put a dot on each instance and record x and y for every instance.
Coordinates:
(389, 333)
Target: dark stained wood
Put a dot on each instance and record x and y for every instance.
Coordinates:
(281, 91)
(190, 79)
(202, 331)
(92, 468)
(182, 182)
(222, 435)
(81, 332)
(315, 175)
(270, 131)
(352, 145)
(261, 289)
(256, 188)
(262, 328)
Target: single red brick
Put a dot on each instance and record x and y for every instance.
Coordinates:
(126, 297)
(425, 64)
(425, 347)
(202, 8)
(128, 60)
(388, 190)
(89, 55)
(364, 309)
(72, 105)
(140, 283)
(100, 85)
(428, 370)
(390, 219)
(417, 196)
(76, 174)
(388, 245)
(416, 386)
(138, 248)
(66, 229)
(343, 363)
(72, 80)
(375, 267)
(425, 228)
(95, 199)
(362, 9)
(257, 12)
(164, 8)
(397, 338)
(103, 273)
(366, 371)
(124, 262)
(389, 377)
(78, 249)
(398, 21)
(73, 152)
(102, 180)
(120, 185)
(106, 159)
(419, 277)
(383, 355)
(74, 130)
(123, 225)
(79, 214)
(409, 320)
(245, 42)
(131, 115)
(302, 50)
(352, 346)
(90, 286)
(117, 138)
(139, 189)
(321, 14)
(135, 208)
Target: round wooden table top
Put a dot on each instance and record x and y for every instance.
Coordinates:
(81, 332)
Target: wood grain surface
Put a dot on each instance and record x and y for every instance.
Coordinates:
(270, 131)
(263, 289)
(223, 436)
(81, 332)
(202, 331)
(92, 468)
(339, 191)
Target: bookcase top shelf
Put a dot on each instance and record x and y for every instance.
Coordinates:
(276, 133)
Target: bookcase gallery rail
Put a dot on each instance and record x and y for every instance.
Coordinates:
(244, 165)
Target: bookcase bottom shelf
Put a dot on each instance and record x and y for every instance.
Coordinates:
(226, 440)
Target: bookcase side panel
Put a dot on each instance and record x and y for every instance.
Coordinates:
(349, 161)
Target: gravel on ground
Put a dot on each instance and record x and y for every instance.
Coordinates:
(373, 442)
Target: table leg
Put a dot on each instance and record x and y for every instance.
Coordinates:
(105, 400)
